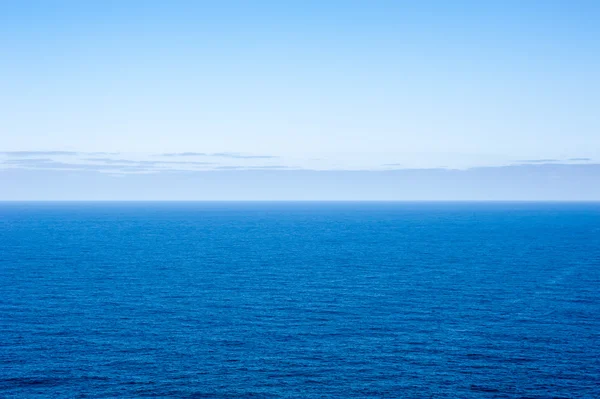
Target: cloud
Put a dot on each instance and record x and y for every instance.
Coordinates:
(51, 153)
(113, 161)
(539, 160)
(135, 162)
(101, 165)
(28, 161)
(183, 154)
(241, 156)
(234, 155)
(239, 167)
(185, 163)
(50, 164)
(126, 165)
(37, 153)
(542, 161)
(273, 167)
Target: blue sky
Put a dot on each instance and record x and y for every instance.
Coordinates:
(302, 85)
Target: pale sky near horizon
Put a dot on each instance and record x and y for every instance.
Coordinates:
(322, 85)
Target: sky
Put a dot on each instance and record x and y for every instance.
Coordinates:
(297, 98)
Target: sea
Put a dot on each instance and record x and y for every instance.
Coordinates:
(299, 300)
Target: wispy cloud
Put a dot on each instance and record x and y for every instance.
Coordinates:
(241, 156)
(28, 161)
(240, 167)
(539, 160)
(273, 167)
(183, 154)
(43, 163)
(185, 163)
(116, 165)
(113, 161)
(51, 153)
(37, 153)
(554, 161)
(136, 162)
(233, 155)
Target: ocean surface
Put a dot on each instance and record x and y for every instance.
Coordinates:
(300, 300)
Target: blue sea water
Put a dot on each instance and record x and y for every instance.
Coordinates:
(300, 300)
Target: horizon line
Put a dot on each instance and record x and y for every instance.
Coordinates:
(304, 201)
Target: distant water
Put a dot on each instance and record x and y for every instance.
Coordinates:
(299, 300)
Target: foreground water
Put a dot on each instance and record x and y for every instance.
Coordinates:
(299, 300)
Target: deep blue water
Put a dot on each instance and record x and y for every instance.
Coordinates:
(299, 300)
